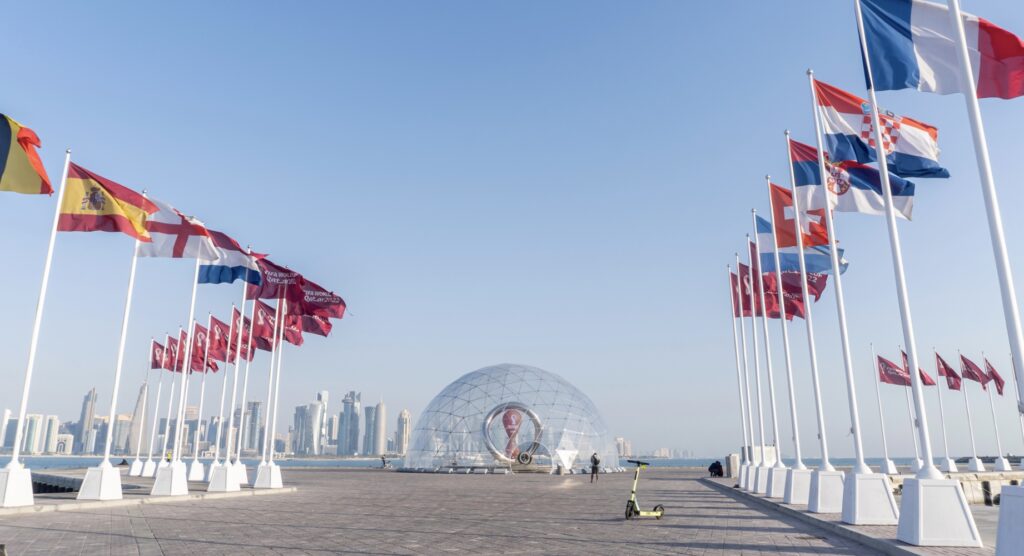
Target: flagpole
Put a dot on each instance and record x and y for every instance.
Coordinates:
(949, 466)
(17, 489)
(245, 381)
(270, 379)
(739, 372)
(995, 424)
(1016, 392)
(988, 189)
(142, 425)
(976, 463)
(224, 392)
(799, 463)
(202, 397)
(186, 368)
(170, 403)
(277, 383)
(825, 465)
(767, 343)
(913, 431)
(746, 380)
(759, 486)
(149, 467)
(888, 466)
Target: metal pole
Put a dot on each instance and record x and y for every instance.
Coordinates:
(156, 406)
(735, 294)
(245, 378)
(746, 366)
(120, 357)
(270, 379)
(942, 411)
(878, 396)
(170, 401)
(186, 367)
(277, 383)
(767, 343)
(202, 388)
(757, 360)
(145, 399)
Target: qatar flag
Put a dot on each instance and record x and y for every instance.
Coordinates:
(952, 379)
(891, 373)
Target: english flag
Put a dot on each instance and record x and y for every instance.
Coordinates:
(812, 222)
(156, 355)
(911, 147)
(891, 373)
(926, 379)
(952, 379)
(177, 236)
(995, 376)
(970, 370)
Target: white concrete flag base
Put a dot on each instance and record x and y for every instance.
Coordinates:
(223, 478)
(934, 512)
(162, 463)
(268, 475)
(798, 486)
(15, 486)
(744, 471)
(776, 482)
(826, 493)
(148, 468)
(196, 471)
(868, 500)
(136, 468)
(889, 468)
(1010, 536)
(761, 480)
(975, 466)
(102, 482)
(209, 470)
(949, 466)
(241, 472)
(917, 465)
(171, 480)
(1003, 464)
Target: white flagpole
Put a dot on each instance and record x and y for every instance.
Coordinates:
(767, 343)
(949, 466)
(270, 380)
(913, 430)
(860, 467)
(928, 470)
(995, 424)
(17, 489)
(245, 378)
(975, 464)
(148, 469)
(170, 403)
(186, 368)
(277, 383)
(1016, 392)
(826, 465)
(888, 466)
(735, 294)
(202, 394)
(224, 387)
(145, 402)
(757, 360)
(988, 189)
(799, 463)
(746, 379)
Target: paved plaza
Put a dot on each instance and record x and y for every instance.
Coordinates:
(382, 512)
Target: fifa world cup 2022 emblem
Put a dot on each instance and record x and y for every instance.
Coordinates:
(94, 200)
(512, 420)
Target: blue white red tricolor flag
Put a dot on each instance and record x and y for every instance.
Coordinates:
(855, 187)
(911, 147)
(912, 45)
(232, 262)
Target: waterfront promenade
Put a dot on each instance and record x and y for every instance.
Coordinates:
(379, 512)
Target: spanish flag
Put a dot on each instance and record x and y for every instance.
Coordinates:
(93, 203)
(21, 171)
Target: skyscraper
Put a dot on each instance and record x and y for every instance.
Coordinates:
(253, 422)
(31, 442)
(403, 431)
(332, 429)
(50, 437)
(3, 427)
(348, 429)
(85, 422)
(306, 429)
(138, 417)
(380, 427)
(12, 425)
(322, 433)
(369, 429)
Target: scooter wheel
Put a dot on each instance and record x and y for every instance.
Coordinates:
(661, 511)
(630, 510)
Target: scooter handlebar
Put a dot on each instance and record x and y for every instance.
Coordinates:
(638, 462)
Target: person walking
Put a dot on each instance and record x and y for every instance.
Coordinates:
(595, 466)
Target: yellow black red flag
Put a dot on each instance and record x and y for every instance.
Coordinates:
(21, 171)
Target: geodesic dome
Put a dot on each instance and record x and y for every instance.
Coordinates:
(510, 417)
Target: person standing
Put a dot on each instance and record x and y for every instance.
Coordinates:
(595, 465)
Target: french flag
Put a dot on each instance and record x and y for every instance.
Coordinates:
(855, 187)
(912, 45)
(911, 147)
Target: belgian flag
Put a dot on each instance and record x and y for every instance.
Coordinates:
(21, 171)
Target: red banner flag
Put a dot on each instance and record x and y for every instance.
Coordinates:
(926, 379)
(247, 351)
(319, 302)
(219, 333)
(202, 337)
(156, 355)
(952, 379)
(171, 361)
(277, 281)
(293, 330)
(812, 222)
(993, 375)
(970, 370)
(321, 326)
(792, 292)
(891, 373)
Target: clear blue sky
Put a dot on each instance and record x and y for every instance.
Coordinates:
(554, 184)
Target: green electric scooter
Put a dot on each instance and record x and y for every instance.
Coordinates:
(632, 507)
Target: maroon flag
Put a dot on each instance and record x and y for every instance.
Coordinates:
(993, 375)
(926, 379)
(156, 355)
(749, 294)
(247, 351)
(970, 370)
(179, 356)
(952, 379)
(200, 341)
(891, 373)
(293, 329)
(737, 303)
(792, 292)
(276, 281)
(219, 333)
(319, 302)
(263, 328)
(320, 326)
(170, 353)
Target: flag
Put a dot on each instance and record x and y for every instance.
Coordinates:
(247, 350)
(970, 370)
(738, 306)
(170, 363)
(817, 259)
(277, 281)
(855, 187)
(220, 331)
(891, 373)
(232, 262)
(93, 203)
(156, 356)
(995, 377)
(751, 302)
(293, 329)
(177, 236)
(812, 222)
(911, 147)
(952, 379)
(321, 326)
(793, 292)
(318, 301)
(263, 326)
(926, 379)
(202, 336)
(912, 45)
(21, 170)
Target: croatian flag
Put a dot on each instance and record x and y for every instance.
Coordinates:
(855, 187)
(912, 45)
(817, 259)
(231, 263)
(911, 147)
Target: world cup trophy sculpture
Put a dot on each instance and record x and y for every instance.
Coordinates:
(512, 420)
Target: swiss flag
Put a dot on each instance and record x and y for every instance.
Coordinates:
(812, 222)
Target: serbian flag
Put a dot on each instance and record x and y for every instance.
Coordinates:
(93, 203)
(232, 262)
(995, 377)
(277, 282)
(911, 147)
(812, 222)
(891, 373)
(952, 379)
(220, 331)
(177, 236)
(817, 259)
(855, 187)
(970, 370)
(156, 355)
(912, 45)
(926, 379)
(321, 326)
(318, 301)
(21, 171)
